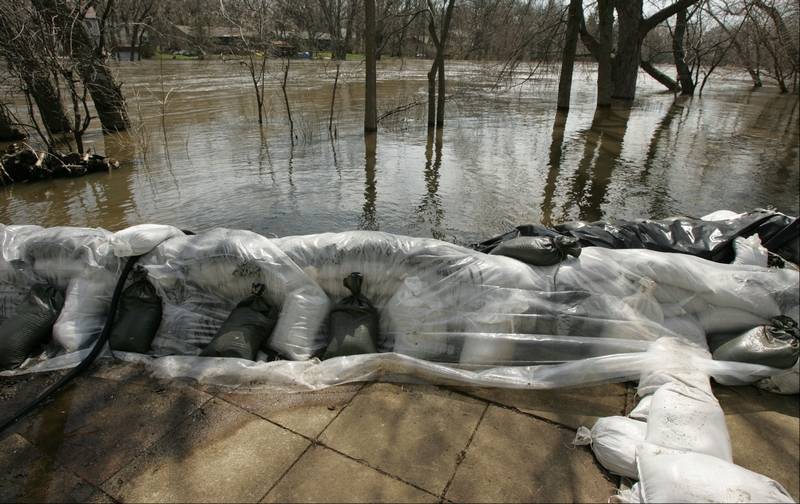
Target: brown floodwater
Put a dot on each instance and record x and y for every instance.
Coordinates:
(198, 158)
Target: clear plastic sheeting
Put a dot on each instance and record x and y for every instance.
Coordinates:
(447, 315)
(201, 278)
(77, 261)
(440, 306)
(141, 239)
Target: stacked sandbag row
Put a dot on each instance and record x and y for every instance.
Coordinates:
(204, 280)
(55, 289)
(693, 298)
(223, 293)
(675, 441)
(419, 297)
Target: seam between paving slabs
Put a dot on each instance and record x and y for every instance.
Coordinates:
(463, 453)
(613, 479)
(315, 442)
(514, 409)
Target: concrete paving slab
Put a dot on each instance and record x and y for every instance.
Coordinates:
(322, 475)
(413, 432)
(571, 407)
(305, 412)
(765, 433)
(221, 453)
(26, 475)
(516, 458)
(94, 427)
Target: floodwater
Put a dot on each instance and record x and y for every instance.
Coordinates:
(197, 158)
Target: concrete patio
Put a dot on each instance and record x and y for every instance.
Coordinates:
(118, 435)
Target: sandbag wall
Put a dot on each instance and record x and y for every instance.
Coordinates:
(433, 300)
(438, 312)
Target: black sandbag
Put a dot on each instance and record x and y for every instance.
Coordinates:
(712, 240)
(539, 250)
(30, 326)
(776, 345)
(247, 328)
(353, 322)
(138, 316)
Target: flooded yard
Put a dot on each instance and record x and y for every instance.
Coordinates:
(197, 158)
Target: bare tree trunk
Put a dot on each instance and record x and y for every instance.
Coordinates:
(8, 132)
(432, 93)
(664, 79)
(286, 100)
(133, 42)
(440, 98)
(440, 42)
(625, 69)
(44, 93)
(333, 97)
(684, 72)
(370, 99)
(605, 82)
(568, 55)
(106, 94)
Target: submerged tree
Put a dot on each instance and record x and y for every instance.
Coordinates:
(570, 48)
(622, 62)
(439, 18)
(22, 52)
(370, 98)
(78, 44)
(251, 19)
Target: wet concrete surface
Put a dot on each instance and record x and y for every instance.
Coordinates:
(119, 435)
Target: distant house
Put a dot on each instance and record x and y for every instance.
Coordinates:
(214, 36)
(123, 47)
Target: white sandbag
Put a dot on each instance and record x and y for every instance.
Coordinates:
(688, 328)
(686, 418)
(201, 278)
(721, 215)
(642, 408)
(57, 255)
(613, 441)
(86, 302)
(785, 382)
(729, 320)
(750, 252)
(677, 362)
(673, 476)
(141, 239)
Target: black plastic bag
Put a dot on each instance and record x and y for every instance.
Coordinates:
(246, 329)
(353, 323)
(30, 326)
(138, 316)
(539, 250)
(712, 240)
(776, 345)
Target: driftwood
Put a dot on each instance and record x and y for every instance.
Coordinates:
(23, 164)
